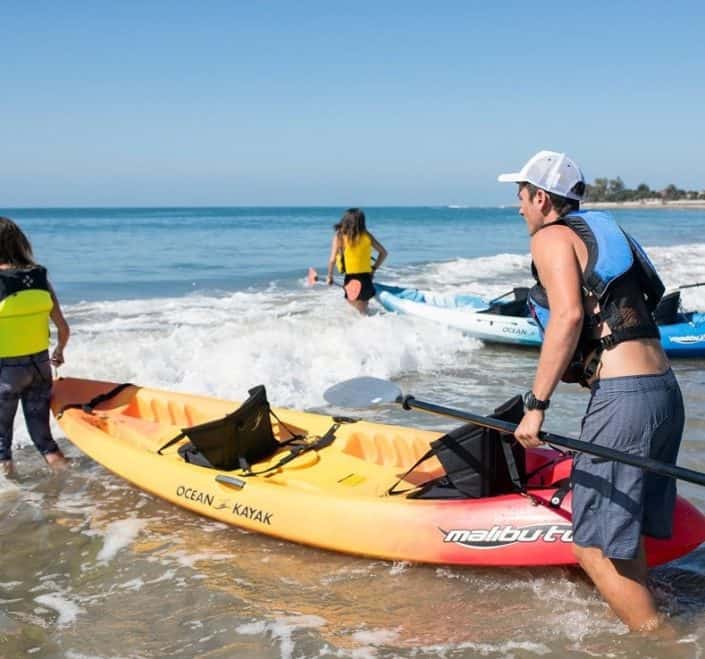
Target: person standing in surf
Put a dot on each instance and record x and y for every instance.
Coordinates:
(27, 302)
(351, 249)
(594, 297)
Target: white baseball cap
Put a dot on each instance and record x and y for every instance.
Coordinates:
(550, 171)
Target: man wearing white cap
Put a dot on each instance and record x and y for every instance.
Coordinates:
(595, 294)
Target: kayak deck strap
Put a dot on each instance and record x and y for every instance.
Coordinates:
(95, 401)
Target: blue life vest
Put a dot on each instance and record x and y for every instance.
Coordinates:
(622, 278)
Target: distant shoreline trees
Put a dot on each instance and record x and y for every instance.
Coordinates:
(604, 189)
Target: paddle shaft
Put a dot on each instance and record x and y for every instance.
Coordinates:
(648, 464)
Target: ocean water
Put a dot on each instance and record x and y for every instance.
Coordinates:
(214, 301)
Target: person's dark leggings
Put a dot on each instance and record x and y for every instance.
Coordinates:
(27, 379)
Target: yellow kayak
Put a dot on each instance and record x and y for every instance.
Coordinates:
(334, 483)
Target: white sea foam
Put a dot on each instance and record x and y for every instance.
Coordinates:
(681, 265)
(74, 503)
(508, 649)
(399, 567)
(297, 343)
(282, 629)
(134, 584)
(167, 576)
(489, 276)
(68, 611)
(485, 276)
(375, 636)
(190, 559)
(119, 534)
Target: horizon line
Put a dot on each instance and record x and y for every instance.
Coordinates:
(326, 206)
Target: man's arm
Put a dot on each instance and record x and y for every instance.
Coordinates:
(559, 271)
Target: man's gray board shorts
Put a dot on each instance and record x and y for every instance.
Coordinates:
(613, 503)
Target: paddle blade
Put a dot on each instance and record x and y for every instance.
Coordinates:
(312, 276)
(352, 289)
(362, 392)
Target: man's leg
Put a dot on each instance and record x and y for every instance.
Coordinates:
(623, 585)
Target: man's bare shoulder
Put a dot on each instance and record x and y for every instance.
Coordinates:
(552, 237)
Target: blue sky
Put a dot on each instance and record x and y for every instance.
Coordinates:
(341, 103)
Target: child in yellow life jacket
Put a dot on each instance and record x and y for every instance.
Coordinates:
(27, 301)
(351, 250)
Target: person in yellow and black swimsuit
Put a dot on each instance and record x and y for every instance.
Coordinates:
(351, 250)
(27, 301)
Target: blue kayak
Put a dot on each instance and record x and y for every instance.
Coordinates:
(685, 338)
(504, 320)
(507, 320)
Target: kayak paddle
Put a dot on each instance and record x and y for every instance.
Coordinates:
(366, 391)
(680, 288)
(352, 288)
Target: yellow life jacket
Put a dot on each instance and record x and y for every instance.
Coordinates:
(25, 305)
(358, 256)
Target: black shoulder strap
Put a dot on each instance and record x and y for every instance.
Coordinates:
(94, 402)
